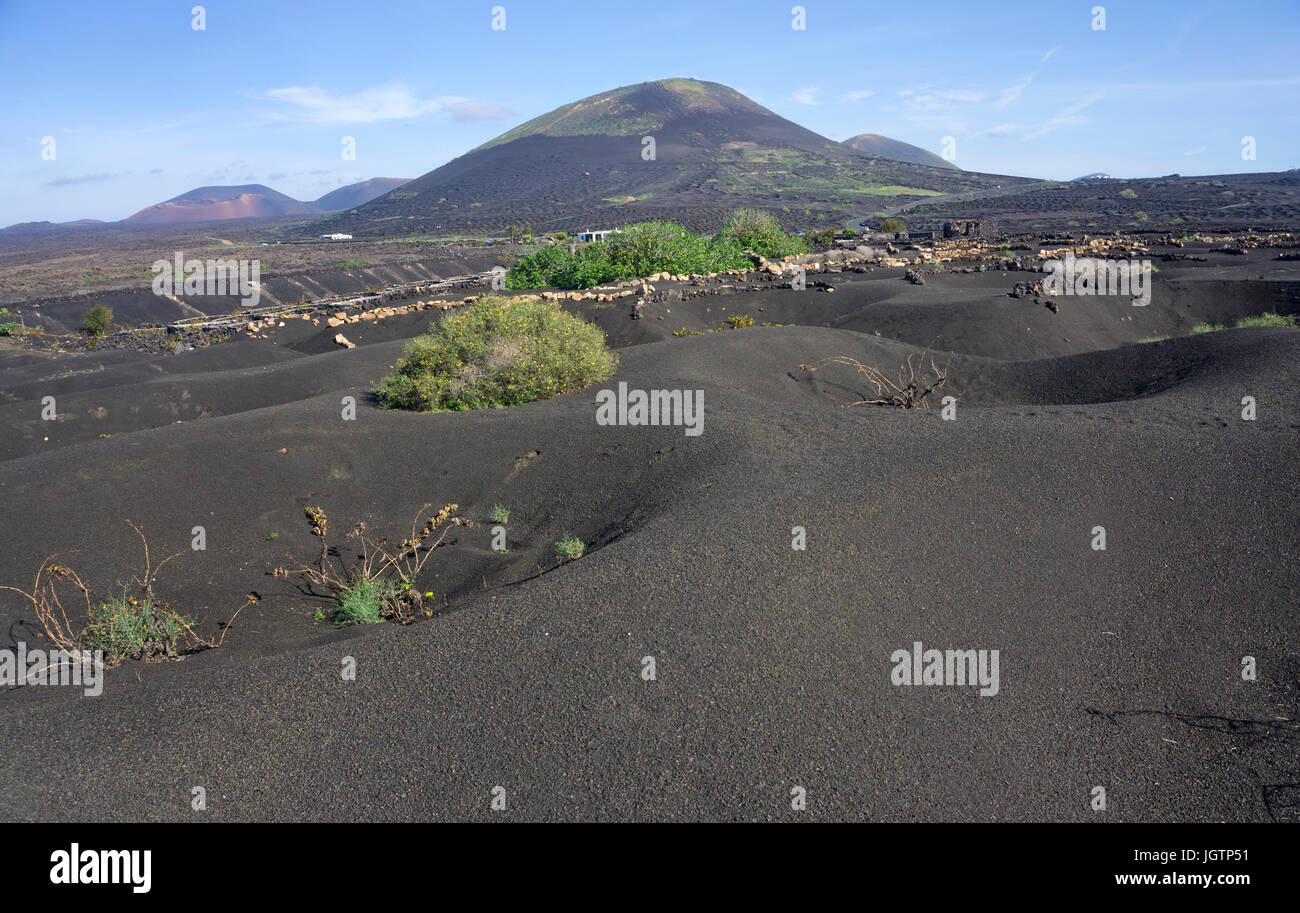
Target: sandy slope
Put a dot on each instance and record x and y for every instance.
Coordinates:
(1118, 668)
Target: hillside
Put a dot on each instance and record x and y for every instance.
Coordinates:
(256, 201)
(583, 165)
(358, 193)
(207, 204)
(883, 146)
(773, 663)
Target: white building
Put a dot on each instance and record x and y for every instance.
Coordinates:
(336, 237)
(589, 236)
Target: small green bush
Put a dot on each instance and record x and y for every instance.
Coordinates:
(892, 225)
(497, 352)
(759, 231)
(361, 602)
(97, 320)
(134, 627)
(499, 514)
(570, 547)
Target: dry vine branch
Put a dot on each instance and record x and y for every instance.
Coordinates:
(50, 613)
(402, 601)
(912, 389)
(156, 617)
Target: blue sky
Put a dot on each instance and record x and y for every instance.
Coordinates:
(143, 107)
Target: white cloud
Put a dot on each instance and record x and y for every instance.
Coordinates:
(1197, 151)
(1048, 56)
(80, 179)
(857, 95)
(998, 130)
(395, 101)
(1065, 118)
(1014, 91)
(807, 96)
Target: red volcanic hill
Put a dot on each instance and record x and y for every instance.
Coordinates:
(209, 204)
(257, 201)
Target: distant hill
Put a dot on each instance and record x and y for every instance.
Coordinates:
(358, 193)
(589, 164)
(256, 201)
(209, 204)
(41, 226)
(899, 151)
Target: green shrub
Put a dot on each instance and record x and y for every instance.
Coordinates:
(361, 602)
(570, 547)
(740, 321)
(499, 514)
(135, 627)
(97, 320)
(759, 231)
(497, 352)
(1206, 328)
(8, 329)
(653, 247)
(892, 225)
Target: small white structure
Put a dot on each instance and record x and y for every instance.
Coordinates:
(588, 236)
(336, 237)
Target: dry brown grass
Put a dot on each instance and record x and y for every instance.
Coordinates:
(918, 377)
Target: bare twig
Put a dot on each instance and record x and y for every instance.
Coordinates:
(915, 382)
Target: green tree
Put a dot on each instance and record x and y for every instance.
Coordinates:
(97, 320)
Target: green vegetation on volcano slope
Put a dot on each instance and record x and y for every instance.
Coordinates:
(626, 112)
(655, 247)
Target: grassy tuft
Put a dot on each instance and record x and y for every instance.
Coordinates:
(1269, 319)
(361, 601)
(135, 627)
(570, 547)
